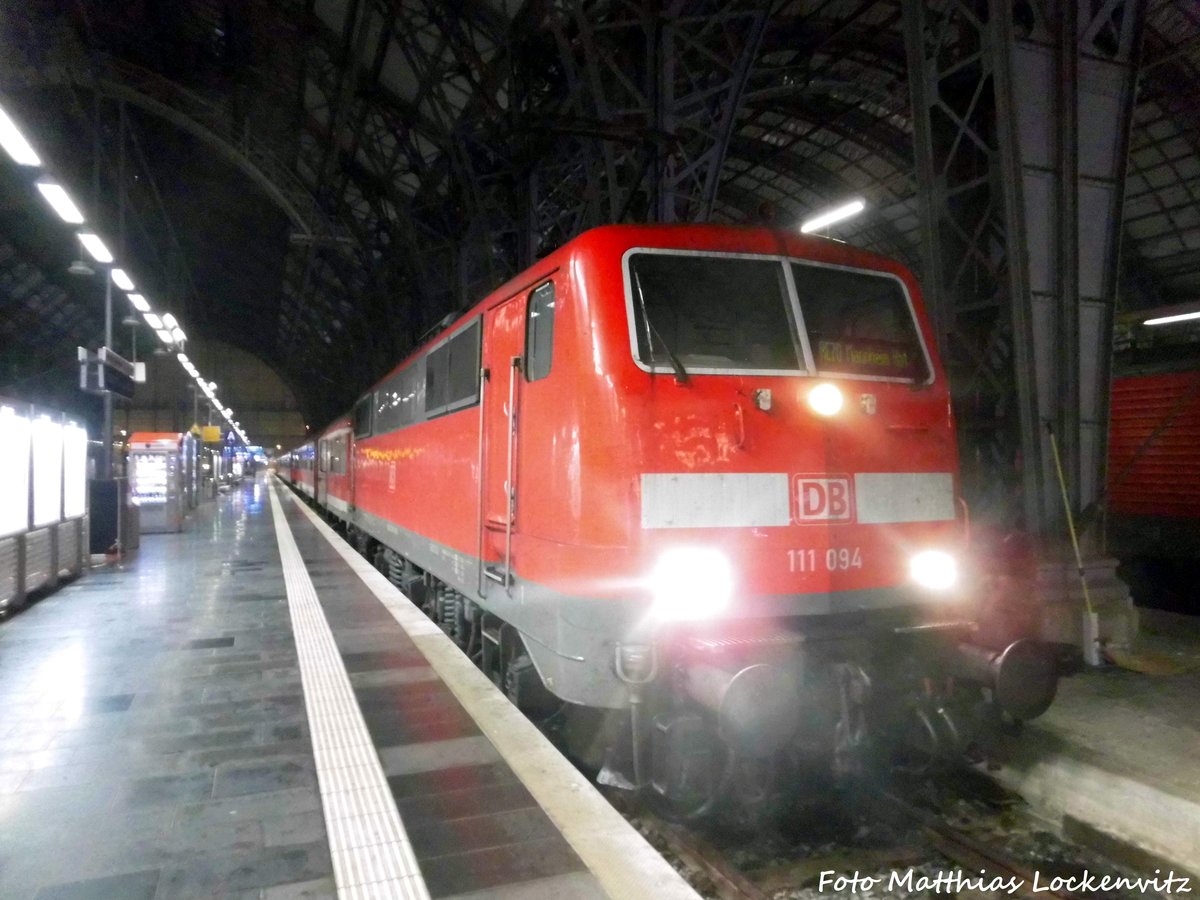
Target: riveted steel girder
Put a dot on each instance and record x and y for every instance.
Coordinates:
(1021, 117)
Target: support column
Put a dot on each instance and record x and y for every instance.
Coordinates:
(1021, 120)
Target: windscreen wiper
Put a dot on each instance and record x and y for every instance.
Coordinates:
(681, 375)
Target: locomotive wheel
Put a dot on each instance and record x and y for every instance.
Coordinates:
(691, 769)
(754, 795)
(920, 747)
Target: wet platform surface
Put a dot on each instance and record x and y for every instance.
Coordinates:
(159, 725)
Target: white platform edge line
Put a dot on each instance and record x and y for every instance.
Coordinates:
(620, 858)
(339, 735)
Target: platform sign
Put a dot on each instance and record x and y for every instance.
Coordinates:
(211, 434)
(106, 372)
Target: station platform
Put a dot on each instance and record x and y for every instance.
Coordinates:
(1116, 758)
(249, 709)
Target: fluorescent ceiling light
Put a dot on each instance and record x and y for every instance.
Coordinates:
(182, 357)
(153, 321)
(140, 303)
(164, 336)
(15, 144)
(845, 211)
(96, 247)
(169, 320)
(1170, 320)
(121, 280)
(178, 334)
(61, 202)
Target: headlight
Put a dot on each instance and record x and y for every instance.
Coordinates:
(825, 399)
(934, 569)
(691, 583)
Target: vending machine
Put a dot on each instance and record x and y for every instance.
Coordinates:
(157, 480)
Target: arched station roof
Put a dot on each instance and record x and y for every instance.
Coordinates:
(321, 182)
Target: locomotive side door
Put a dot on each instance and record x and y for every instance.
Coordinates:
(321, 472)
(503, 349)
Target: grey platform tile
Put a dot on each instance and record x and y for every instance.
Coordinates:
(480, 833)
(238, 779)
(110, 704)
(278, 668)
(575, 886)
(61, 776)
(416, 697)
(165, 789)
(233, 836)
(279, 732)
(208, 643)
(40, 759)
(487, 870)
(250, 807)
(251, 753)
(302, 828)
(36, 809)
(244, 693)
(31, 741)
(201, 741)
(468, 751)
(382, 659)
(465, 804)
(10, 781)
(219, 874)
(458, 778)
(320, 889)
(131, 886)
(265, 707)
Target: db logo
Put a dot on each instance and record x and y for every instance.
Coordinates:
(823, 499)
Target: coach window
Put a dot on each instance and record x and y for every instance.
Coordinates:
(324, 456)
(539, 333)
(452, 373)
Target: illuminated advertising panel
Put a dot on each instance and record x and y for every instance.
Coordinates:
(74, 471)
(47, 471)
(14, 472)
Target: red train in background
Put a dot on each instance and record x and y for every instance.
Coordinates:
(693, 491)
(1152, 509)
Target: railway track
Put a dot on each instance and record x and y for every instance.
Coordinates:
(926, 845)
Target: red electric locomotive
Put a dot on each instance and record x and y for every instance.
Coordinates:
(693, 489)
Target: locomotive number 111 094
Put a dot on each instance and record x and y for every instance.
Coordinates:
(835, 559)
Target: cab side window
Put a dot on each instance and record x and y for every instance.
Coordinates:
(539, 333)
(362, 417)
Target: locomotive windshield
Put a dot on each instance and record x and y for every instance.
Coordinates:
(726, 313)
(859, 323)
(712, 312)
